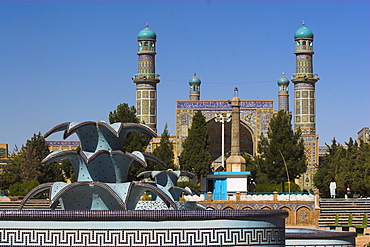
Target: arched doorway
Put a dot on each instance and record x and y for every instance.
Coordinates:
(215, 132)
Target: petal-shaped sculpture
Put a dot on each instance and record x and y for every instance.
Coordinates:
(101, 169)
(176, 192)
(99, 135)
(154, 158)
(33, 192)
(103, 165)
(166, 178)
(138, 190)
(115, 134)
(89, 196)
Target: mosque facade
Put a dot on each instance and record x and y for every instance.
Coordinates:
(255, 115)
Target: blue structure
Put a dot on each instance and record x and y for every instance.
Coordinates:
(221, 183)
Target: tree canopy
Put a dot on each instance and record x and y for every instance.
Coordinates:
(126, 114)
(348, 166)
(133, 141)
(196, 156)
(25, 165)
(280, 153)
(165, 150)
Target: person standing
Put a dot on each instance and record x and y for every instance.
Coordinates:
(332, 187)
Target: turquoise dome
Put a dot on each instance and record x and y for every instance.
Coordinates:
(303, 32)
(283, 81)
(194, 80)
(146, 33)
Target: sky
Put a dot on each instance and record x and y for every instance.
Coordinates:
(72, 61)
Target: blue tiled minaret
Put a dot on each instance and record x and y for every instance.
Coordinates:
(283, 95)
(146, 79)
(194, 83)
(305, 101)
(304, 83)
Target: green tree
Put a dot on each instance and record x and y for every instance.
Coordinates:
(361, 171)
(326, 169)
(196, 156)
(165, 150)
(348, 165)
(11, 174)
(281, 152)
(133, 141)
(126, 114)
(35, 150)
(26, 165)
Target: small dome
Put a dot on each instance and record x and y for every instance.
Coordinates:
(283, 80)
(194, 80)
(146, 33)
(303, 32)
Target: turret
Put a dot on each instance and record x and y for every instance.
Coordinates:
(194, 83)
(304, 82)
(283, 94)
(146, 79)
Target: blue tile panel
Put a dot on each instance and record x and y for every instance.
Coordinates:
(246, 104)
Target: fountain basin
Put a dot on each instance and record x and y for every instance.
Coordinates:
(142, 228)
(300, 237)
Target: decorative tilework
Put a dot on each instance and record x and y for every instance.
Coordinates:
(145, 94)
(143, 237)
(223, 104)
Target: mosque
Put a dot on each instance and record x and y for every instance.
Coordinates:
(254, 114)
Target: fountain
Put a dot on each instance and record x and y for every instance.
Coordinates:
(104, 209)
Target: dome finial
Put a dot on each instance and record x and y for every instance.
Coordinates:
(236, 92)
(283, 73)
(195, 74)
(302, 23)
(147, 25)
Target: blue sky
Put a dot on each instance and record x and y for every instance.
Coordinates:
(64, 61)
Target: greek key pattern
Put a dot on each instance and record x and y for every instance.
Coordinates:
(142, 237)
(320, 245)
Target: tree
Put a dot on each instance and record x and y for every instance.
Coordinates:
(165, 149)
(133, 141)
(11, 173)
(35, 150)
(26, 164)
(196, 156)
(126, 114)
(123, 114)
(281, 152)
(348, 165)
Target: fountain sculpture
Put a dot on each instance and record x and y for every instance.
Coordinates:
(101, 208)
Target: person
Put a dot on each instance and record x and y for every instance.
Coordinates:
(252, 185)
(332, 187)
(348, 195)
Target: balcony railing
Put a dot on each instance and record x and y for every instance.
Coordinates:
(305, 75)
(147, 76)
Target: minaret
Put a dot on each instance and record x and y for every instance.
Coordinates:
(304, 83)
(194, 83)
(235, 162)
(283, 94)
(146, 79)
(304, 102)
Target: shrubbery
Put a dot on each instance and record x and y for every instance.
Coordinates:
(277, 187)
(21, 189)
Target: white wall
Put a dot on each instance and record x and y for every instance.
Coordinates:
(237, 184)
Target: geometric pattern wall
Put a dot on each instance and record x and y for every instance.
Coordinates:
(143, 237)
(255, 116)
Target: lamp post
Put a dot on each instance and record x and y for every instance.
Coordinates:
(222, 118)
